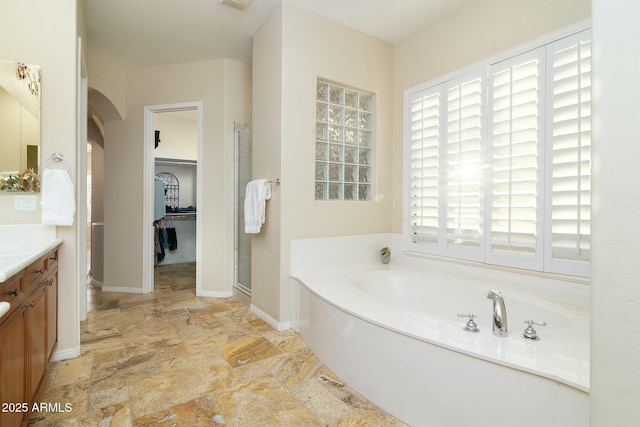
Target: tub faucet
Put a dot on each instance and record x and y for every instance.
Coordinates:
(499, 313)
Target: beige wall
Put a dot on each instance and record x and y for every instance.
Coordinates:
(309, 46)
(97, 182)
(267, 146)
(44, 33)
(479, 30)
(615, 292)
(123, 149)
(107, 77)
(178, 135)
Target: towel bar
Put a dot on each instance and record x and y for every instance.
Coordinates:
(57, 158)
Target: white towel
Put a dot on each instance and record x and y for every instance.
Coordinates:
(58, 198)
(257, 193)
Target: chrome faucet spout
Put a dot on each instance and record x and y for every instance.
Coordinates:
(499, 313)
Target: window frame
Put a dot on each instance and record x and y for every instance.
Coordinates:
(541, 261)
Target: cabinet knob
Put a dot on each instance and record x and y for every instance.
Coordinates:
(50, 282)
(14, 292)
(53, 258)
(32, 303)
(39, 271)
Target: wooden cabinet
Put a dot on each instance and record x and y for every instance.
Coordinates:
(37, 331)
(13, 291)
(28, 334)
(13, 368)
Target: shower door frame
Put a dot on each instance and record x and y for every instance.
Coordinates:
(237, 128)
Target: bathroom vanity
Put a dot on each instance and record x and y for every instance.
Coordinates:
(29, 328)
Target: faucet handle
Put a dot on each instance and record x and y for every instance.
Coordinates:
(530, 333)
(471, 325)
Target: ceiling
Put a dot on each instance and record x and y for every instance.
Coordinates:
(155, 32)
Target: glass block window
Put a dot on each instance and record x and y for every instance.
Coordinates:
(344, 141)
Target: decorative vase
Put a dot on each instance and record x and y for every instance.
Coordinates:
(385, 258)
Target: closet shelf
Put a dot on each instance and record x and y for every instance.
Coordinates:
(175, 162)
(181, 215)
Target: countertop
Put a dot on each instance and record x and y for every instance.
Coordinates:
(16, 257)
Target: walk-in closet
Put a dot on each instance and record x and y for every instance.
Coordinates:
(175, 193)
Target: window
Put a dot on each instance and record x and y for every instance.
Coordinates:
(499, 161)
(344, 140)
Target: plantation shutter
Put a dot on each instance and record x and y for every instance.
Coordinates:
(463, 189)
(424, 154)
(499, 161)
(515, 195)
(569, 65)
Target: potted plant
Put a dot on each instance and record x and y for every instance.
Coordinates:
(385, 255)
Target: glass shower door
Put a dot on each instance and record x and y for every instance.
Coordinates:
(243, 164)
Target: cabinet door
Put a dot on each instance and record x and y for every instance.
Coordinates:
(52, 312)
(13, 368)
(36, 328)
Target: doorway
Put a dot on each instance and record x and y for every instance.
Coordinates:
(175, 155)
(243, 174)
(173, 134)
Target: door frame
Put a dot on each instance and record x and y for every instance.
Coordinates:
(238, 127)
(147, 192)
(81, 179)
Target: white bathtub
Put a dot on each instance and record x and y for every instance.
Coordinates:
(395, 337)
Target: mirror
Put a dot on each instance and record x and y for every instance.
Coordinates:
(20, 88)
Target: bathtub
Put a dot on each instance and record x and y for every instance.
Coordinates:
(396, 338)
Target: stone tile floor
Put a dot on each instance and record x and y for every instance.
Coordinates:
(169, 358)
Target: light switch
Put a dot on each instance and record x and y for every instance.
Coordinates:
(25, 202)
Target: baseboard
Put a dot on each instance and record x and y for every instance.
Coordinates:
(69, 353)
(122, 289)
(270, 321)
(215, 294)
(96, 283)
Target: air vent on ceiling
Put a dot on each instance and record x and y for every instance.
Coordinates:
(236, 4)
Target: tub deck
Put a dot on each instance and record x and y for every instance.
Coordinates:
(362, 323)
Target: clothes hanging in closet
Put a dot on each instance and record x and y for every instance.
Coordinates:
(172, 238)
(162, 235)
(158, 247)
